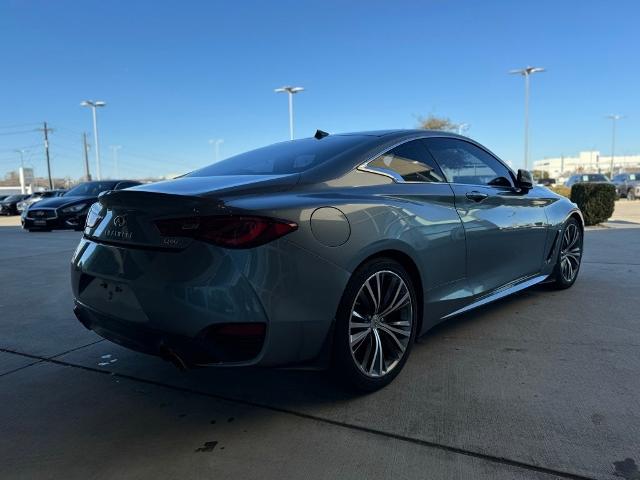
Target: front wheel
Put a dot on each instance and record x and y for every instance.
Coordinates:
(375, 326)
(569, 255)
(631, 194)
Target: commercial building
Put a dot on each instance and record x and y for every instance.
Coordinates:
(589, 162)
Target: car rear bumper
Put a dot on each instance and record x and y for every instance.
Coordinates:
(151, 300)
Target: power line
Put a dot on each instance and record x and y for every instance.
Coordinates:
(22, 147)
(21, 132)
(20, 125)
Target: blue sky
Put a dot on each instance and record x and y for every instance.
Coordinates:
(175, 74)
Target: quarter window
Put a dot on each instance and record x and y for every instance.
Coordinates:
(411, 161)
(463, 162)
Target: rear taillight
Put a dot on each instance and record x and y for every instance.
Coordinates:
(227, 231)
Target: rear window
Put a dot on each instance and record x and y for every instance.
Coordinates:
(593, 177)
(281, 158)
(90, 189)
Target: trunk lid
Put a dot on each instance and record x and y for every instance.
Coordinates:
(127, 217)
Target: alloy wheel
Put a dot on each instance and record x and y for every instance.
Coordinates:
(380, 324)
(570, 252)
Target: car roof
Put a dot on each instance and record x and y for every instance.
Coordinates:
(398, 132)
(372, 143)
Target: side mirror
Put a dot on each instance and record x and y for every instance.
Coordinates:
(525, 179)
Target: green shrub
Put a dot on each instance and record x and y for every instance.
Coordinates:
(596, 200)
(561, 190)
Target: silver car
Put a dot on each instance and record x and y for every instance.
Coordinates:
(333, 250)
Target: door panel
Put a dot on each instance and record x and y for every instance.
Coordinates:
(506, 235)
(505, 228)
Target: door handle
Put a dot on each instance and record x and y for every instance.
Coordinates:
(477, 196)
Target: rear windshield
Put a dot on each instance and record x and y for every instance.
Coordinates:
(90, 189)
(593, 177)
(281, 158)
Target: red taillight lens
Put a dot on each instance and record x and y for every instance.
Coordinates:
(227, 231)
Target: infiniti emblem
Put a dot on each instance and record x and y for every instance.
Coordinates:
(120, 221)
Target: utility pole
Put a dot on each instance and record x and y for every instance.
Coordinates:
(46, 131)
(87, 175)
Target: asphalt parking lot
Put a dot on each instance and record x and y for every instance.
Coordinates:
(538, 386)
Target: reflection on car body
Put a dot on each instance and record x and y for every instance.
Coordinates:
(342, 246)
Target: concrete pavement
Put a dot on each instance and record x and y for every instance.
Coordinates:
(541, 385)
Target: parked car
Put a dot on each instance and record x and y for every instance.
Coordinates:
(587, 178)
(9, 206)
(547, 182)
(37, 196)
(627, 185)
(344, 247)
(2, 197)
(70, 210)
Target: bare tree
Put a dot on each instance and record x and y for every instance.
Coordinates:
(433, 122)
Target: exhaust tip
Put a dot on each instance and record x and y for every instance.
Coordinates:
(169, 355)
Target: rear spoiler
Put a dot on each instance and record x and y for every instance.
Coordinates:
(142, 200)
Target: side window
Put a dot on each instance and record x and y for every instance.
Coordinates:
(463, 162)
(411, 161)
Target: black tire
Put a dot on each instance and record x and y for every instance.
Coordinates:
(344, 363)
(561, 280)
(631, 194)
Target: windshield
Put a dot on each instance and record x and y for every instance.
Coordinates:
(90, 189)
(282, 158)
(13, 198)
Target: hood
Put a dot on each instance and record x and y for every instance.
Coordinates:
(215, 186)
(57, 202)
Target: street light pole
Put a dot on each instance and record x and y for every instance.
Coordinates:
(94, 106)
(114, 149)
(526, 73)
(614, 119)
(291, 91)
(216, 142)
(85, 150)
(21, 172)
